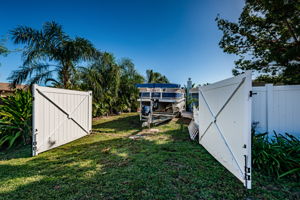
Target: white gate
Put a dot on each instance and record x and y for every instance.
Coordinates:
(225, 124)
(59, 116)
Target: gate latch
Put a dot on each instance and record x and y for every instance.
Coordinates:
(251, 93)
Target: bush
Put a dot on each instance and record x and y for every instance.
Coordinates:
(15, 119)
(100, 109)
(277, 156)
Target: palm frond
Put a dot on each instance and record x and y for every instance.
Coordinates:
(25, 35)
(54, 33)
(31, 55)
(40, 77)
(83, 49)
(51, 80)
(24, 72)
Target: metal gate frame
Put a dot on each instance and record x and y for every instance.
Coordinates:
(241, 80)
(38, 94)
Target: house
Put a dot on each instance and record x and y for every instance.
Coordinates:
(6, 90)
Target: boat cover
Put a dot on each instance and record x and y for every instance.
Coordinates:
(158, 85)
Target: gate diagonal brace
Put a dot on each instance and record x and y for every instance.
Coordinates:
(215, 118)
(69, 116)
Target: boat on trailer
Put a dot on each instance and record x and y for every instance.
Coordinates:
(160, 102)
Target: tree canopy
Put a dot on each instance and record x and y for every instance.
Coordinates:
(3, 50)
(266, 38)
(47, 52)
(155, 77)
(112, 83)
(51, 56)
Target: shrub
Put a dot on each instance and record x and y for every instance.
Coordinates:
(277, 156)
(15, 119)
(100, 109)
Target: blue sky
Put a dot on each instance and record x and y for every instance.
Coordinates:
(178, 38)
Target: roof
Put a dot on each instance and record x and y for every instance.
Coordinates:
(158, 85)
(6, 87)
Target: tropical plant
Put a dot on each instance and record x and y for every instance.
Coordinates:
(15, 119)
(277, 156)
(155, 77)
(278, 79)
(103, 78)
(49, 52)
(113, 84)
(3, 50)
(189, 99)
(128, 92)
(266, 38)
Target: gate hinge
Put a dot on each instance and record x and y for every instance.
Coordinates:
(247, 170)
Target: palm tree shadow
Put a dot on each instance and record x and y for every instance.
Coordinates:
(128, 123)
(119, 124)
(102, 169)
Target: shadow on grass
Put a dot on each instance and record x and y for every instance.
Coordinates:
(118, 168)
(119, 124)
(182, 120)
(122, 168)
(22, 151)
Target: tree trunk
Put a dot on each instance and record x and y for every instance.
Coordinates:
(66, 76)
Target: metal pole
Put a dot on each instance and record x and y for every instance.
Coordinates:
(150, 116)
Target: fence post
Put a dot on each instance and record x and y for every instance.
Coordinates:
(90, 117)
(269, 92)
(34, 119)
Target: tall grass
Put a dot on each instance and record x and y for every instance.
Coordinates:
(277, 156)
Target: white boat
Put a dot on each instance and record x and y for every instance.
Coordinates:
(160, 102)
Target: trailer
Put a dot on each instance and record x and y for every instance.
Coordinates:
(160, 102)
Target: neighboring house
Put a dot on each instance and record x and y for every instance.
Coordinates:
(6, 90)
(194, 92)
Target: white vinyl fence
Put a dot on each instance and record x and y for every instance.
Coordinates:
(59, 116)
(276, 108)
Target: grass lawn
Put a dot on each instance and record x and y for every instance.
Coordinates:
(109, 165)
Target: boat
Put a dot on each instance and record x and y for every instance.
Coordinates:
(160, 102)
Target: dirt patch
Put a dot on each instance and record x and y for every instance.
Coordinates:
(144, 133)
(151, 130)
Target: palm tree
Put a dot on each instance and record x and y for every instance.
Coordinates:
(156, 77)
(103, 78)
(113, 85)
(3, 50)
(128, 92)
(48, 52)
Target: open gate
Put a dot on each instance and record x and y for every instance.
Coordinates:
(225, 124)
(59, 116)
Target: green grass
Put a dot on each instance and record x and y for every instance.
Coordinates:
(109, 165)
